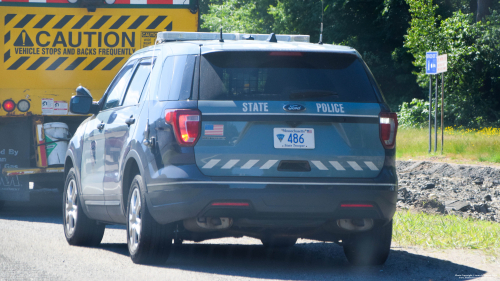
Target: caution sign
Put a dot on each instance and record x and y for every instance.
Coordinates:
(147, 38)
(69, 42)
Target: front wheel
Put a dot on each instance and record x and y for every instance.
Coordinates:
(148, 241)
(370, 247)
(78, 228)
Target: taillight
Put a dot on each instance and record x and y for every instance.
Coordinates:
(388, 129)
(9, 105)
(186, 124)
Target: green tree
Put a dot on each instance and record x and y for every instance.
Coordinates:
(243, 16)
(473, 79)
(373, 27)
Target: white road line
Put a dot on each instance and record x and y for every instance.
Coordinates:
(371, 165)
(230, 163)
(354, 165)
(268, 164)
(337, 166)
(249, 164)
(319, 165)
(211, 164)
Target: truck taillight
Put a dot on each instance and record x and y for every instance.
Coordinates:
(388, 129)
(186, 125)
(9, 105)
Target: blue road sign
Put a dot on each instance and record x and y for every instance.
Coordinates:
(431, 62)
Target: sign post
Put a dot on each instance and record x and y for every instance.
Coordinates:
(431, 68)
(442, 67)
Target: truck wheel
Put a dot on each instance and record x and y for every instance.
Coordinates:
(278, 242)
(370, 247)
(148, 241)
(78, 228)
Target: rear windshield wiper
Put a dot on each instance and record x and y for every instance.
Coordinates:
(298, 95)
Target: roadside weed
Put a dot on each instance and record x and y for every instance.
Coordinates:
(445, 232)
(459, 144)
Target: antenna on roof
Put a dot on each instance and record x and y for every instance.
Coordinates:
(221, 40)
(272, 38)
(321, 29)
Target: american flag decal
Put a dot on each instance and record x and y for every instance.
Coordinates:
(214, 130)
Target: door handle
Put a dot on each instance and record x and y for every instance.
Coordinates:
(130, 121)
(100, 126)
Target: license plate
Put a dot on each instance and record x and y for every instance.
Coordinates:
(294, 138)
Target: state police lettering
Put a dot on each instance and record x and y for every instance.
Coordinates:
(330, 107)
(255, 107)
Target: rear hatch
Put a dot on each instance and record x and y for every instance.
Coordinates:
(288, 114)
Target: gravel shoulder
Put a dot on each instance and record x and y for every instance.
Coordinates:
(458, 189)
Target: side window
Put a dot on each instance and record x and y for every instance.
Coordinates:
(177, 78)
(145, 90)
(138, 83)
(166, 78)
(116, 91)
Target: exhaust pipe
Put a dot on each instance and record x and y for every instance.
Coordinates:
(206, 224)
(355, 224)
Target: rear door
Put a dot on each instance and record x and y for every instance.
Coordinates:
(119, 131)
(288, 114)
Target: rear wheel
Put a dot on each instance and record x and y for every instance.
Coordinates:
(278, 242)
(148, 241)
(78, 228)
(370, 247)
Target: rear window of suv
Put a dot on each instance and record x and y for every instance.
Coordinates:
(284, 76)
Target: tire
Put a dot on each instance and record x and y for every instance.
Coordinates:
(148, 241)
(278, 242)
(370, 247)
(78, 228)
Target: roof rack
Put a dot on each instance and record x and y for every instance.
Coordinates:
(166, 36)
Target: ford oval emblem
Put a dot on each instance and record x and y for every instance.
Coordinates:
(294, 107)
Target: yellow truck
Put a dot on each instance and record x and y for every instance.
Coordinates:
(50, 47)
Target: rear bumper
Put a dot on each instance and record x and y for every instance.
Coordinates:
(177, 201)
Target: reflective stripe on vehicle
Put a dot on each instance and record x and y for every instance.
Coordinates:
(233, 163)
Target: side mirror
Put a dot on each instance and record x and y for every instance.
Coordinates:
(82, 103)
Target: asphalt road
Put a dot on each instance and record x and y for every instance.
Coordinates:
(33, 247)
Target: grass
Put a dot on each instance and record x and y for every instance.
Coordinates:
(445, 232)
(459, 145)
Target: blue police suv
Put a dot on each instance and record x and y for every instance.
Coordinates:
(208, 135)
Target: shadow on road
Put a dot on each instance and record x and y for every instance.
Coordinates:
(319, 261)
(323, 261)
(44, 206)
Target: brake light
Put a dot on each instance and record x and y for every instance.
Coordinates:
(356, 205)
(186, 124)
(9, 105)
(388, 129)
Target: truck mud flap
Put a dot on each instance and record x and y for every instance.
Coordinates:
(14, 153)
